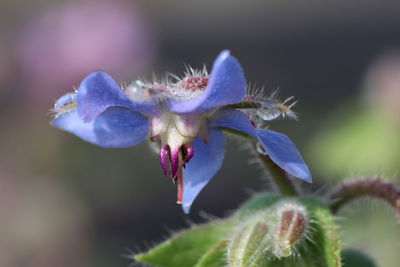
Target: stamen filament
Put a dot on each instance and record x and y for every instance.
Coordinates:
(179, 180)
(279, 177)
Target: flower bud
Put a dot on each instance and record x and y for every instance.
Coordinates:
(268, 235)
(292, 224)
(249, 242)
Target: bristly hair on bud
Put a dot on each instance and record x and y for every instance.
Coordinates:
(190, 71)
(170, 85)
(271, 107)
(189, 86)
(250, 241)
(293, 222)
(155, 88)
(65, 105)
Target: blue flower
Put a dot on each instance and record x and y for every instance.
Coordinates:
(185, 117)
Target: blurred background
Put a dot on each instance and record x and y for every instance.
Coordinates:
(64, 202)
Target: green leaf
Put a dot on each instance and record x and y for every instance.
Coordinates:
(186, 248)
(215, 257)
(354, 258)
(258, 202)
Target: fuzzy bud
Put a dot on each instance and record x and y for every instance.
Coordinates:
(268, 235)
(293, 221)
(249, 242)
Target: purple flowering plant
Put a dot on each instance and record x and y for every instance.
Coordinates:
(186, 117)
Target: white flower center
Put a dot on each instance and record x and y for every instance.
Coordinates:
(175, 130)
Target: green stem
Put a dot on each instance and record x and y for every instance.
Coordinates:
(278, 176)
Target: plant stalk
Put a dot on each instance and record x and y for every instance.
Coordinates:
(279, 177)
(365, 187)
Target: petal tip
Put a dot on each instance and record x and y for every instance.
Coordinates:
(308, 179)
(186, 207)
(92, 78)
(97, 73)
(300, 171)
(304, 175)
(224, 54)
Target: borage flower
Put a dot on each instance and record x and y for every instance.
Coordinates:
(185, 117)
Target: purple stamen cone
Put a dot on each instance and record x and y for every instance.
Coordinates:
(164, 151)
(174, 161)
(188, 152)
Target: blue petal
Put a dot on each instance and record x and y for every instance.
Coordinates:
(98, 91)
(284, 153)
(207, 160)
(115, 127)
(234, 119)
(278, 146)
(227, 85)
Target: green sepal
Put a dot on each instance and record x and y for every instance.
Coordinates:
(324, 240)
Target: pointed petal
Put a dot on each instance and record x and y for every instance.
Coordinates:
(207, 160)
(278, 146)
(98, 91)
(284, 153)
(227, 85)
(115, 127)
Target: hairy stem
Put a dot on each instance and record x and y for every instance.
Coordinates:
(367, 187)
(279, 177)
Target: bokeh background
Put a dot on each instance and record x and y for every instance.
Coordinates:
(64, 202)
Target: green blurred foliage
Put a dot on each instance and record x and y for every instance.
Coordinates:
(357, 140)
(354, 258)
